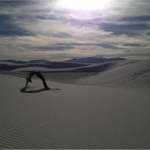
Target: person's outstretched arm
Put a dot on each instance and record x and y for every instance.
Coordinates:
(27, 80)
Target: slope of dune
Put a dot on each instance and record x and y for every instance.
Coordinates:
(130, 74)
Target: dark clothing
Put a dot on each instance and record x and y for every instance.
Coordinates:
(32, 73)
(39, 75)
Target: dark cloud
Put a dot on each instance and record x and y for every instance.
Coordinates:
(62, 35)
(51, 48)
(132, 45)
(19, 3)
(126, 29)
(116, 29)
(108, 46)
(148, 33)
(138, 54)
(15, 32)
(142, 1)
(62, 47)
(125, 55)
(16, 3)
(46, 17)
(33, 17)
(5, 18)
(7, 28)
(136, 19)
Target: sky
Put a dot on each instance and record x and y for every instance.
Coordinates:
(58, 30)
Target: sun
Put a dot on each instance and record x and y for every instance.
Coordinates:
(84, 4)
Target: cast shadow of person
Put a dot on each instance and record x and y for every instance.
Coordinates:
(23, 90)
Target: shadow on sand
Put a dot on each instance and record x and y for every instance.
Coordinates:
(23, 90)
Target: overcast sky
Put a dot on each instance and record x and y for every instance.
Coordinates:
(53, 30)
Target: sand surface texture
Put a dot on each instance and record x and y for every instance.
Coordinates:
(91, 106)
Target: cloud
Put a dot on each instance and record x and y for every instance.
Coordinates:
(31, 28)
(108, 46)
(126, 29)
(51, 48)
(8, 28)
(24, 3)
(142, 1)
(46, 17)
(62, 35)
(16, 3)
(11, 30)
(133, 45)
(92, 23)
(125, 55)
(148, 33)
(70, 46)
(136, 19)
(4, 17)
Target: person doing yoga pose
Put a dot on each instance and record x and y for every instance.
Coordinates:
(39, 75)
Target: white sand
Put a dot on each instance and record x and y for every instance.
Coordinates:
(129, 74)
(90, 114)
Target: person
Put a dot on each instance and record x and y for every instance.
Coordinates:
(39, 75)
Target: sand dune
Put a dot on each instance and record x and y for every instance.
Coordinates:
(12, 66)
(127, 73)
(130, 74)
(105, 106)
(64, 67)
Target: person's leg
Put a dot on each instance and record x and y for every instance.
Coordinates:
(39, 75)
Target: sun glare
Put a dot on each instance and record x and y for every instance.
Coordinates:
(84, 4)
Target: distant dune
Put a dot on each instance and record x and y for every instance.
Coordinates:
(74, 60)
(94, 60)
(20, 62)
(53, 65)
